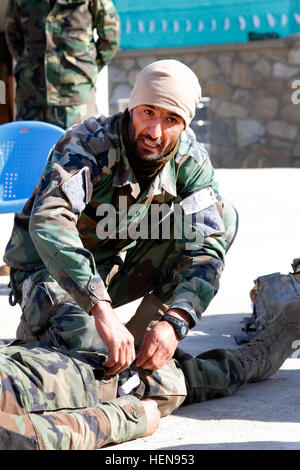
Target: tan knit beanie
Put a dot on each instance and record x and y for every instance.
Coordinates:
(170, 85)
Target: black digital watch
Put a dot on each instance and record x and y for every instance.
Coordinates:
(180, 326)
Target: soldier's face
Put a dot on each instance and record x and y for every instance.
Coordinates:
(153, 131)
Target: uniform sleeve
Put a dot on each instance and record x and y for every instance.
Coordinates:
(64, 190)
(107, 24)
(13, 31)
(200, 239)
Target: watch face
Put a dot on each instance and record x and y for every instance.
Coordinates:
(184, 330)
(180, 326)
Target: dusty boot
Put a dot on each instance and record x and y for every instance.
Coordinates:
(266, 352)
(149, 312)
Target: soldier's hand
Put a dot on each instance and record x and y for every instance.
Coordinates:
(118, 339)
(158, 346)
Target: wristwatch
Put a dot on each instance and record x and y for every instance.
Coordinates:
(180, 326)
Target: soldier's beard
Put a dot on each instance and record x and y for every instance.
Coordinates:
(143, 154)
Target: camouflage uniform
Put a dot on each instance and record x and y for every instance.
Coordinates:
(54, 398)
(61, 269)
(57, 59)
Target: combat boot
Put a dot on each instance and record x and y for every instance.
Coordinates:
(149, 312)
(266, 352)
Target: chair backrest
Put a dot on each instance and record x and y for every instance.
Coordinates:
(24, 149)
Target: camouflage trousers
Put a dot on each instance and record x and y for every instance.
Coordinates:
(54, 400)
(62, 116)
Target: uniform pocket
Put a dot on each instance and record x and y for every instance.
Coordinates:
(51, 380)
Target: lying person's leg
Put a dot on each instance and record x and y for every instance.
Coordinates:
(117, 421)
(220, 372)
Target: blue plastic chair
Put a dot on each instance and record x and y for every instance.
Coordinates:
(24, 149)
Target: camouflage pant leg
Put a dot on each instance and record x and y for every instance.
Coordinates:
(212, 374)
(118, 420)
(148, 265)
(167, 386)
(67, 116)
(62, 116)
(187, 379)
(51, 315)
(29, 113)
(91, 428)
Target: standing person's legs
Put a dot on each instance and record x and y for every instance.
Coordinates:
(26, 112)
(67, 116)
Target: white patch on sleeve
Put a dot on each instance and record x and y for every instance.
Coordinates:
(76, 190)
(198, 201)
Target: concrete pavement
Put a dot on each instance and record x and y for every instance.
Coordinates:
(264, 415)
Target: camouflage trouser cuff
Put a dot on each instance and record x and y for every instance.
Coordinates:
(127, 418)
(114, 421)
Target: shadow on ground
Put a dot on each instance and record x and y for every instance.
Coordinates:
(214, 331)
(251, 445)
(253, 402)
